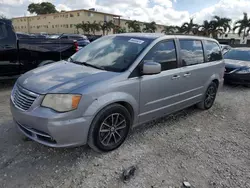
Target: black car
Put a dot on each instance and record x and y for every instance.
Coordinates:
(82, 40)
(21, 54)
(237, 66)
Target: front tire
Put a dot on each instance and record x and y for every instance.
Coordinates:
(209, 97)
(109, 128)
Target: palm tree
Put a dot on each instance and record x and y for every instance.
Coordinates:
(78, 26)
(109, 26)
(103, 27)
(188, 27)
(85, 27)
(149, 27)
(119, 29)
(223, 23)
(169, 29)
(205, 28)
(133, 26)
(243, 26)
(94, 27)
(219, 26)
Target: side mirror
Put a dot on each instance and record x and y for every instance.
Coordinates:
(149, 68)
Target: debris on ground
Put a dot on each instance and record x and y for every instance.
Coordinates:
(128, 173)
(186, 184)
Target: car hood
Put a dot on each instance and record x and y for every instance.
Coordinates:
(230, 63)
(62, 77)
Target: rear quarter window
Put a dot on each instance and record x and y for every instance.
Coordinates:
(213, 51)
(191, 52)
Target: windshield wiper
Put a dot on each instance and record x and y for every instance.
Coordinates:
(86, 64)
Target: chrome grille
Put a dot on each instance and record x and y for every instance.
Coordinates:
(23, 98)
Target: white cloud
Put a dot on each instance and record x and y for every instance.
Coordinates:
(160, 11)
(165, 3)
(61, 7)
(224, 8)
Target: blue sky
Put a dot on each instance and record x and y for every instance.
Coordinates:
(167, 12)
(193, 6)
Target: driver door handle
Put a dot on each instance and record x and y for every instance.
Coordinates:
(175, 77)
(187, 74)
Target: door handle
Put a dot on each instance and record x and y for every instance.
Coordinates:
(175, 77)
(187, 74)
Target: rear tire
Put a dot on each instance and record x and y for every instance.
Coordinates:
(209, 97)
(109, 128)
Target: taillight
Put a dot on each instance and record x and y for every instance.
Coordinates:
(76, 46)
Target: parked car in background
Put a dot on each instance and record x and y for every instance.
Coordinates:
(114, 84)
(238, 66)
(19, 55)
(82, 40)
(225, 48)
(24, 35)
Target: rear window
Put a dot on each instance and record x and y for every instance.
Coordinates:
(191, 52)
(213, 51)
(3, 31)
(242, 55)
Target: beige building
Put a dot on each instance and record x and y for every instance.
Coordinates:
(63, 22)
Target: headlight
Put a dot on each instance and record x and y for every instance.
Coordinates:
(243, 71)
(61, 102)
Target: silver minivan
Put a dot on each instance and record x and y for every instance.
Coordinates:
(114, 84)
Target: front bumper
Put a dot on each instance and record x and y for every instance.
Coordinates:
(237, 78)
(50, 128)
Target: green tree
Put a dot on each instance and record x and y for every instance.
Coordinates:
(3, 17)
(188, 27)
(219, 26)
(78, 26)
(103, 26)
(169, 29)
(243, 26)
(133, 26)
(119, 29)
(95, 27)
(109, 26)
(42, 8)
(85, 27)
(149, 27)
(222, 23)
(205, 28)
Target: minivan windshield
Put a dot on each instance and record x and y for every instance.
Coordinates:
(242, 55)
(111, 53)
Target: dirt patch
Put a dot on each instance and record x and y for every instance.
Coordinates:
(206, 148)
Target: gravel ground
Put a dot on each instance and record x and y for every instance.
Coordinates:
(206, 148)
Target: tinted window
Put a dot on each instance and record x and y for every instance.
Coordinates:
(213, 51)
(242, 55)
(3, 31)
(64, 37)
(112, 53)
(164, 53)
(191, 52)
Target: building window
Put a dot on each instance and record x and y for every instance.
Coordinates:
(21, 27)
(90, 14)
(52, 26)
(66, 16)
(67, 26)
(71, 25)
(71, 15)
(78, 13)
